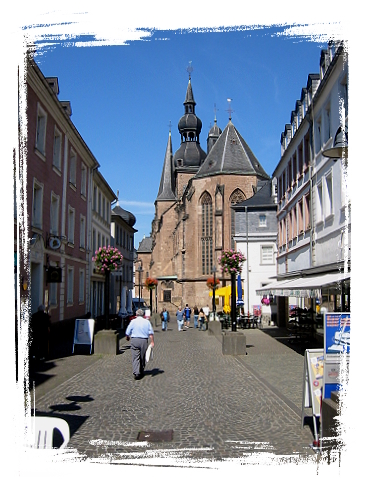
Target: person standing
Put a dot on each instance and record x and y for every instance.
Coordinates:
(180, 315)
(164, 319)
(195, 316)
(202, 320)
(139, 331)
(187, 311)
(206, 310)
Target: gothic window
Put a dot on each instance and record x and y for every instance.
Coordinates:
(236, 197)
(206, 238)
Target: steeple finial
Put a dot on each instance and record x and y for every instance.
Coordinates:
(189, 69)
(170, 126)
(229, 110)
(215, 112)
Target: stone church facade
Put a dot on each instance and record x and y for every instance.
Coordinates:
(193, 219)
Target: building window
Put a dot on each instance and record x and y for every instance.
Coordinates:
(94, 241)
(320, 202)
(98, 240)
(57, 149)
(300, 162)
(54, 214)
(206, 234)
(262, 221)
(71, 220)
(73, 168)
(94, 201)
(318, 135)
(70, 282)
(37, 204)
(99, 204)
(327, 123)
(167, 296)
(83, 180)
(41, 129)
(328, 195)
(307, 211)
(300, 217)
(82, 232)
(236, 197)
(103, 207)
(306, 152)
(81, 287)
(267, 254)
(53, 299)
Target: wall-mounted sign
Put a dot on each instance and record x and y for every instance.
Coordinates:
(53, 274)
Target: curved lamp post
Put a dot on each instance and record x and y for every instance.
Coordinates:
(340, 145)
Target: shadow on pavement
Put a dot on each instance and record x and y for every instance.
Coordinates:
(296, 344)
(153, 372)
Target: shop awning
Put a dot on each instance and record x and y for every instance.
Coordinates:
(304, 287)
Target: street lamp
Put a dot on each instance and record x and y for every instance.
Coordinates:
(214, 270)
(139, 270)
(340, 145)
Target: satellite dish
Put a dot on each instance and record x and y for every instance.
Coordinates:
(54, 243)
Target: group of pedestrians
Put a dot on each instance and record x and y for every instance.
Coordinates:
(200, 318)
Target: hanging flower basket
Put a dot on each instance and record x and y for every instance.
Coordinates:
(211, 284)
(231, 261)
(107, 259)
(151, 283)
(265, 301)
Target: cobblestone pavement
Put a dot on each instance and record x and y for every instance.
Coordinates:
(215, 406)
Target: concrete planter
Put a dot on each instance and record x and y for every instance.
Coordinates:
(233, 343)
(106, 342)
(215, 328)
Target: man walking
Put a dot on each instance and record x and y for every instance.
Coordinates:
(187, 311)
(179, 316)
(139, 331)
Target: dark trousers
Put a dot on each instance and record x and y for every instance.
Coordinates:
(138, 348)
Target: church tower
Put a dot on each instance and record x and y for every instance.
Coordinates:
(189, 157)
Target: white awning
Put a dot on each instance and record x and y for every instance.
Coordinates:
(304, 287)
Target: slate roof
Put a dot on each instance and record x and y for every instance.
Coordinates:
(127, 216)
(231, 155)
(145, 245)
(261, 199)
(166, 190)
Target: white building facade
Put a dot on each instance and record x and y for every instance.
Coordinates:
(314, 223)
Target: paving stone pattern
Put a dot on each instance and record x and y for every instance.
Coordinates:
(218, 407)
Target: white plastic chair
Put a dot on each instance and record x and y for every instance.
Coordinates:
(44, 428)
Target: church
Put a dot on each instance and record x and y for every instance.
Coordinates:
(194, 220)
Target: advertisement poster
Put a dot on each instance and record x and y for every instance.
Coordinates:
(336, 333)
(316, 371)
(83, 332)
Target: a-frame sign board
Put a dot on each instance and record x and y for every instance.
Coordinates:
(312, 385)
(83, 333)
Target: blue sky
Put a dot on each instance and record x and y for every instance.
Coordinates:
(124, 97)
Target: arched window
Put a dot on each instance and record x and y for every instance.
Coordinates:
(206, 238)
(236, 197)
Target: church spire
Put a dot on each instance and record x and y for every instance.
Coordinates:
(167, 185)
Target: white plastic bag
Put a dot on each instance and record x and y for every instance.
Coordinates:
(149, 353)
